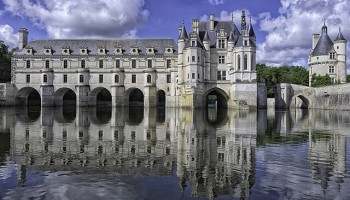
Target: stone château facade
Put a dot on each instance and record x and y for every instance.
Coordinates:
(328, 57)
(215, 64)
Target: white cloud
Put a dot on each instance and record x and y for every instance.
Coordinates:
(289, 35)
(8, 35)
(81, 18)
(227, 16)
(216, 2)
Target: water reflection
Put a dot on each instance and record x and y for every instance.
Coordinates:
(209, 153)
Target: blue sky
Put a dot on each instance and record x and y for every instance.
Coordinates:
(283, 27)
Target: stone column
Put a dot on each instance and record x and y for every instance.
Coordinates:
(150, 96)
(46, 92)
(83, 95)
(118, 95)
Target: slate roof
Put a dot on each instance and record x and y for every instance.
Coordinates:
(324, 44)
(94, 44)
(228, 26)
(340, 36)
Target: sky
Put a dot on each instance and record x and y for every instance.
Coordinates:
(284, 28)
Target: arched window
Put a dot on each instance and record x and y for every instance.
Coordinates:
(239, 62)
(149, 78)
(245, 62)
(45, 78)
(81, 78)
(116, 78)
(251, 62)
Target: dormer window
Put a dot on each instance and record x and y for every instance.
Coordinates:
(332, 55)
(221, 44)
(29, 51)
(245, 43)
(134, 50)
(47, 50)
(169, 50)
(65, 50)
(118, 51)
(150, 50)
(193, 43)
(102, 50)
(83, 50)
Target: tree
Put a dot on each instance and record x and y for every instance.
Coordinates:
(5, 63)
(318, 80)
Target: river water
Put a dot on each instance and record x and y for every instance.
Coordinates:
(142, 153)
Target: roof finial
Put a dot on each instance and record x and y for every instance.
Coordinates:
(232, 16)
(183, 22)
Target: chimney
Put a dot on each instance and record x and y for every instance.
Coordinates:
(315, 38)
(195, 26)
(211, 22)
(23, 38)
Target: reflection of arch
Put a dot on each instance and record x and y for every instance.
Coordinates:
(216, 117)
(134, 97)
(64, 97)
(300, 101)
(100, 114)
(28, 96)
(28, 114)
(100, 96)
(135, 115)
(64, 114)
(216, 98)
(160, 98)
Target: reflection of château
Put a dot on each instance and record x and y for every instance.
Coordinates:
(208, 147)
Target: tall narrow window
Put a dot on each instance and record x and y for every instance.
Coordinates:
(218, 75)
(193, 58)
(223, 77)
(65, 78)
(168, 78)
(101, 63)
(47, 64)
(221, 44)
(133, 63)
(149, 63)
(65, 64)
(83, 64)
(117, 63)
(168, 63)
(81, 78)
(221, 59)
(149, 78)
(193, 43)
(245, 62)
(133, 78)
(45, 78)
(193, 76)
(239, 62)
(116, 78)
(28, 63)
(100, 78)
(28, 78)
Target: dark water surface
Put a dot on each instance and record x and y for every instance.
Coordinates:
(141, 153)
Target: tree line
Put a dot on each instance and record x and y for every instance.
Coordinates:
(5, 62)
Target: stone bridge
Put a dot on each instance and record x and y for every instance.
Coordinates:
(336, 97)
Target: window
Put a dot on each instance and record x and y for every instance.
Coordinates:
(133, 63)
(149, 63)
(133, 78)
(168, 78)
(245, 43)
(221, 59)
(168, 63)
(47, 64)
(117, 63)
(28, 63)
(101, 63)
(83, 64)
(65, 78)
(133, 135)
(332, 55)
(245, 62)
(116, 78)
(223, 75)
(65, 64)
(28, 78)
(239, 62)
(331, 69)
(100, 78)
(193, 58)
(221, 44)
(149, 78)
(218, 75)
(81, 78)
(45, 78)
(193, 75)
(193, 43)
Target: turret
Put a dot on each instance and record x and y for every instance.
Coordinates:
(340, 46)
(251, 32)
(23, 38)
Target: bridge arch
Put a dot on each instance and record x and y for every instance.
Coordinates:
(64, 97)
(299, 101)
(100, 96)
(134, 97)
(217, 98)
(28, 96)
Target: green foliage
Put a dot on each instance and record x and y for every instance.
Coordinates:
(5, 63)
(318, 81)
(285, 74)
